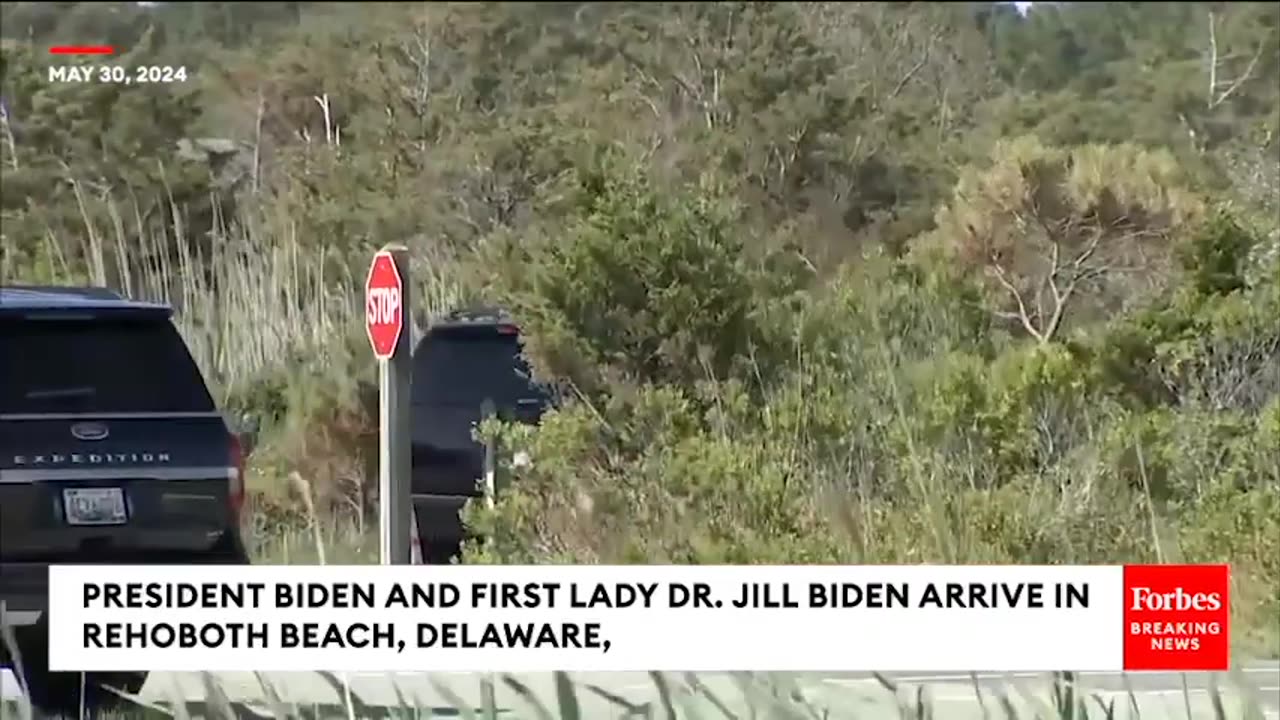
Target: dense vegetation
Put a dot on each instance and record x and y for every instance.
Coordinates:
(857, 282)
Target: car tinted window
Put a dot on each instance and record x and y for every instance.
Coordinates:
(97, 366)
(466, 370)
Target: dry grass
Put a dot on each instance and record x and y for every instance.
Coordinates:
(252, 299)
(689, 696)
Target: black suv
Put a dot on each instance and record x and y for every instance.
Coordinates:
(111, 451)
(462, 361)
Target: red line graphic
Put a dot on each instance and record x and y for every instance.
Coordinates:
(81, 50)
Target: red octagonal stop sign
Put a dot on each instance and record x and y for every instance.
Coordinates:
(384, 312)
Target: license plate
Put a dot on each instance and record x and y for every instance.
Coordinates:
(95, 506)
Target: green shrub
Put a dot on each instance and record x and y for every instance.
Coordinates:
(643, 284)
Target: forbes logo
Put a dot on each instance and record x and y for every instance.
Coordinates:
(1177, 617)
(1144, 598)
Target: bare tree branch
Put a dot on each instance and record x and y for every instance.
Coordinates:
(924, 58)
(1213, 58)
(1248, 72)
(1022, 315)
(1216, 98)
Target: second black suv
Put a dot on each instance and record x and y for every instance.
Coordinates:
(466, 359)
(111, 451)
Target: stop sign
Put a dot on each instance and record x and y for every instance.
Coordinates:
(384, 312)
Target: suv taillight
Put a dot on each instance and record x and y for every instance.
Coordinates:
(235, 493)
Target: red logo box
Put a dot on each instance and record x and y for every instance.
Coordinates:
(1177, 617)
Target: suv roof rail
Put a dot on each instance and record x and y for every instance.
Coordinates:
(479, 314)
(52, 298)
(88, 292)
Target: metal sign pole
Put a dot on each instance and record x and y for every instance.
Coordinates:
(487, 410)
(395, 508)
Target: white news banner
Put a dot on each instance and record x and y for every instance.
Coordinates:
(586, 618)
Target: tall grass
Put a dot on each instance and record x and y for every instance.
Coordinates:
(692, 696)
(251, 299)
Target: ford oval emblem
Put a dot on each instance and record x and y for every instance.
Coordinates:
(90, 431)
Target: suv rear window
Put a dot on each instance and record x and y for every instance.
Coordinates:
(466, 369)
(122, 366)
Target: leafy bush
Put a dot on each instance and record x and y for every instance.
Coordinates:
(894, 423)
(642, 284)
